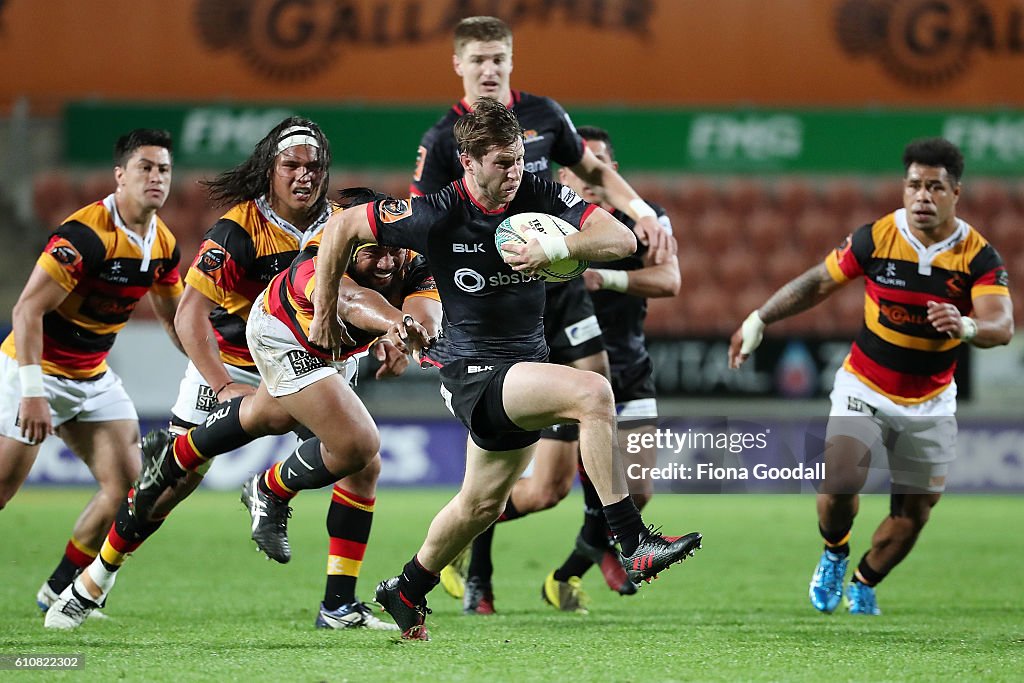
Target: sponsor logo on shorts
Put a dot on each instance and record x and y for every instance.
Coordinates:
(858, 406)
(473, 369)
(206, 399)
(586, 329)
(303, 363)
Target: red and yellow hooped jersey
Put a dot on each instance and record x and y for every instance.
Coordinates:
(289, 298)
(106, 270)
(239, 256)
(897, 352)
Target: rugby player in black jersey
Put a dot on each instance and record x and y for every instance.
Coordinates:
(483, 60)
(493, 374)
(619, 290)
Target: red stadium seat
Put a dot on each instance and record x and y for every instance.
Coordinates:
(765, 230)
(714, 231)
(793, 195)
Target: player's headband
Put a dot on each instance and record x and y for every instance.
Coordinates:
(295, 136)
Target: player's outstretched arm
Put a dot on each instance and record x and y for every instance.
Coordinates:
(370, 311)
(653, 281)
(343, 230)
(797, 295)
(613, 189)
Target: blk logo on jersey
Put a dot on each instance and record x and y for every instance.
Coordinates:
(458, 248)
(303, 363)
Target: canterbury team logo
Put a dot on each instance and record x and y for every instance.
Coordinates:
(64, 253)
(926, 43)
(392, 210)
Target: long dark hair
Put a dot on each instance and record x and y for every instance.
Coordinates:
(251, 178)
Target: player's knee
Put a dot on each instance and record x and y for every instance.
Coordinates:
(483, 512)
(594, 397)
(365, 445)
(364, 482)
(276, 423)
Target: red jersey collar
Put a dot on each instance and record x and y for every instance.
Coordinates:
(463, 190)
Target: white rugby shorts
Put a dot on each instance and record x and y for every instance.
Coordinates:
(285, 366)
(196, 398)
(920, 439)
(95, 400)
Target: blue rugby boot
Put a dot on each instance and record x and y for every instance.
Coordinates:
(826, 591)
(861, 599)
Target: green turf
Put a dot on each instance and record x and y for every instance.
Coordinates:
(198, 603)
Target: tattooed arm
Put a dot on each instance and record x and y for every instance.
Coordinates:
(799, 294)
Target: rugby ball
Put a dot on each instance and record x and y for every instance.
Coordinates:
(519, 229)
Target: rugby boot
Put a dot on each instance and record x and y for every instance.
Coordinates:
(826, 589)
(269, 516)
(411, 619)
(657, 553)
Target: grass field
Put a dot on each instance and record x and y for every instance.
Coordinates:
(198, 603)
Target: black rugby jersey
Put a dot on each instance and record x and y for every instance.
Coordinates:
(491, 311)
(622, 315)
(548, 136)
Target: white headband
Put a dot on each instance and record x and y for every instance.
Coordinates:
(295, 136)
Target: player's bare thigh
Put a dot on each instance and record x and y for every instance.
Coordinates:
(16, 460)
(538, 395)
(110, 449)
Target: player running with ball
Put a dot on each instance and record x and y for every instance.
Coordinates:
(493, 374)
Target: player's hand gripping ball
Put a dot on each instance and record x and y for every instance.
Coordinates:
(522, 227)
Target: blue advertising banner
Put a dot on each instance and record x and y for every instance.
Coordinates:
(990, 456)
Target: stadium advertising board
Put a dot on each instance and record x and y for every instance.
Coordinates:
(788, 368)
(784, 52)
(672, 140)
